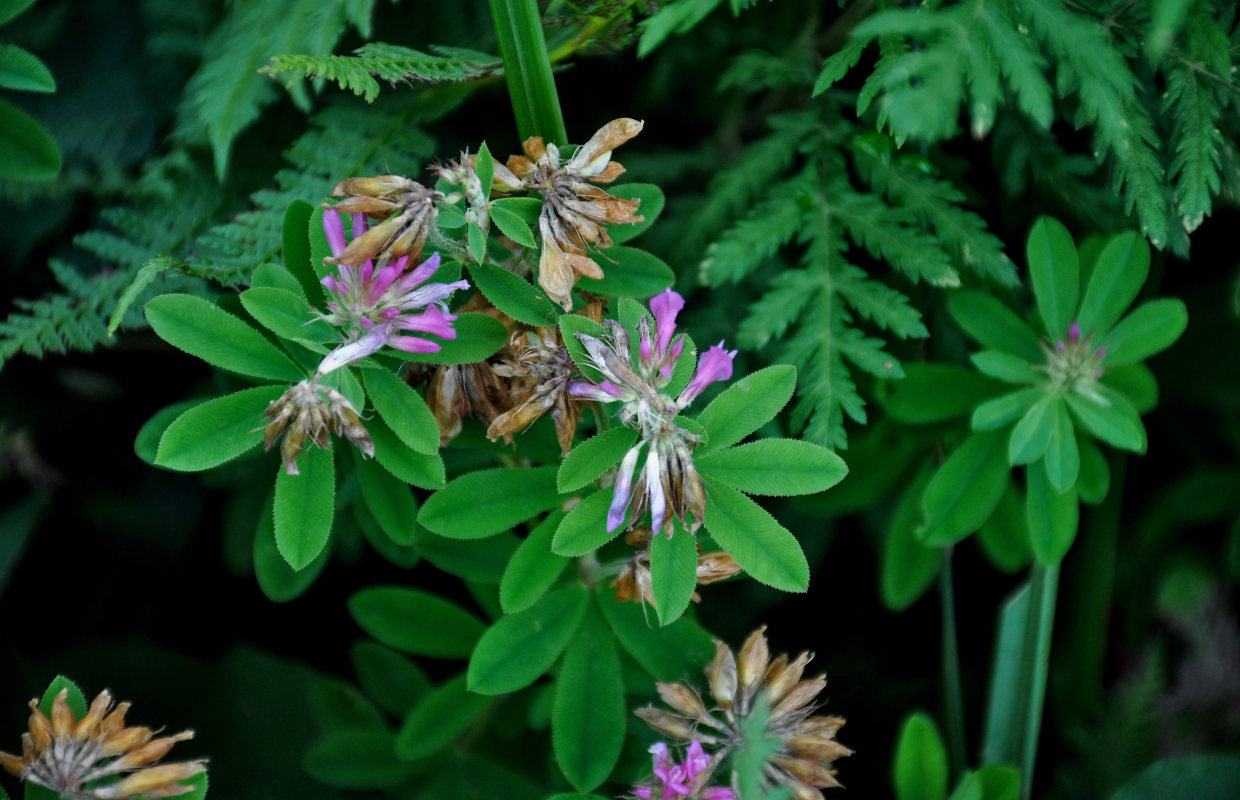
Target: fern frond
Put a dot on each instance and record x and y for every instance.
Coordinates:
(892, 234)
(939, 205)
(71, 320)
(392, 63)
(757, 71)
(226, 94)
(879, 303)
(767, 227)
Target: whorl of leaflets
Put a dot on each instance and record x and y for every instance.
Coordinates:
(668, 481)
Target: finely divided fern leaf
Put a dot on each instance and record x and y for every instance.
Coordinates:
(391, 63)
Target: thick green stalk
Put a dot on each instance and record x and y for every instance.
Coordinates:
(528, 70)
(1044, 585)
(953, 695)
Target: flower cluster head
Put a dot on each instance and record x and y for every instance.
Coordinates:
(1074, 365)
(744, 686)
(574, 212)
(406, 210)
(98, 757)
(310, 411)
(687, 779)
(375, 304)
(668, 484)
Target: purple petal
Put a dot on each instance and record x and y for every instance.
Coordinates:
(381, 282)
(654, 492)
(432, 321)
(665, 306)
(1074, 333)
(642, 792)
(716, 365)
(418, 274)
(330, 283)
(333, 228)
(414, 344)
(623, 490)
(588, 391)
(359, 225)
(717, 793)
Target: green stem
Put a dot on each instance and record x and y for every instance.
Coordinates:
(953, 695)
(528, 70)
(1044, 585)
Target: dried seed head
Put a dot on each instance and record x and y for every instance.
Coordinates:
(82, 754)
(310, 411)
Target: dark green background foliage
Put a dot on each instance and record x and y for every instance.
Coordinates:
(832, 176)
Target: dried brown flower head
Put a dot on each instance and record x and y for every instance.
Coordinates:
(406, 207)
(633, 582)
(574, 212)
(456, 391)
(806, 743)
(310, 411)
(72, 757)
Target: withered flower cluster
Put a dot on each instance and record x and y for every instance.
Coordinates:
(574, 212)
(633, 582)
(98, 757)
(406, 208)
(310, 411)
(806, 743)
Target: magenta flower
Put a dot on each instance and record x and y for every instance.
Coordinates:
(667, 486)
(377, 305)
(672, 780)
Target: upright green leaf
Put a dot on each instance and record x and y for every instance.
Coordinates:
(287, 315)
(747, 405)
(486, 502)
(590, 459)
(519, 648)
(1116, 279)
(1032, 435)
(277, 580)
(533, 568)
(1116, 423)
(304, 507)
(1055, 270)
(217, 337)
(403, 410)
(780, 467)
(1052, 517)
(27, 152)
(764, 548)
(965, 490)
(1063, 459)
(423, 471)
(673, 652)
(73, 696)
(588, 715)
(413, 621)
(513, 295)
(921, 761)
(388, 499)
(629, 272)
(994, 325)
(217, 431)
(1151, 328)
(584, 529)
(439, 719)
(296, 249)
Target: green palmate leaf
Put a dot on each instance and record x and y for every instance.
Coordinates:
(588, 714)
(274, 276)
(996, 413)
(652, 201)
(1117, 277)
(673, 572)
(403, 410)
(23, 71)
(930, 393)
(908, 567)
(747, 405)
(357, 759)
(921, 761)
(669, 653)
(392, 681)
(304, 506)
(994, 325)
(484, 167)
(513, 295)
(774, 467)
(1052, 517)
(279, 581)
(478, 336)
(1004, 538)
(533, 568)
(1004, 366)
(1117, 424)
(27, 152)
(584, 529)
(519, 648)
(413, 621)
(964, 490)
(296, 248)
(216, 431)
(1032, 435)
(388, 499)
(73, 696)
(1055, 270)
(1094, 479)
(590, 459)
(1063, 459)
(486, 502)
(423, 471)
(512, 226)
(479, 560)
(763, 547)
(629, 272)
(287, 315)
(439, 719)
(1151, 328)
(217, 337)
